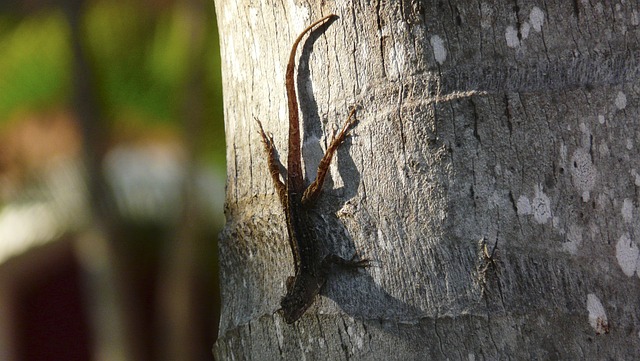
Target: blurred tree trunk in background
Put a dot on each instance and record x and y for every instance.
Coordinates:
(493, 176)
(180, 285)
(103, 251)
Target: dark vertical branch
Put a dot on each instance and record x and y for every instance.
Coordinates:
(88, 117)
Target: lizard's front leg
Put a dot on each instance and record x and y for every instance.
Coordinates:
(272, 162)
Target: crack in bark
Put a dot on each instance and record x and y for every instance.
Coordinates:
(381, 45)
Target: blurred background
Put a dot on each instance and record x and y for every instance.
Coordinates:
(111, 179)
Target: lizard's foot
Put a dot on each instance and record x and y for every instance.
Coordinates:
(352, 263)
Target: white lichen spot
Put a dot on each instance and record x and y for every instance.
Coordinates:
(439, 51)
(396, 60)
(636, 177)
(524, 30)
(536, 17)
(629, 143)
(586, 196)
(563, 153)
(627, 210)
(621, 100)
(601, 119)
(541, 206)
(584, 172)
(597, 316)
(471, 356)
(511, 34)
(635, 18)
(523, 206)
(574, 239)
(627, 255)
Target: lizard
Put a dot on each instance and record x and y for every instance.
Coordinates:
(311, 269)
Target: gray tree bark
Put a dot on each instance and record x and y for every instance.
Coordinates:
(493, 177)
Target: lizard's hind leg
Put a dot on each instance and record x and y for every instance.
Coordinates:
(353, 263)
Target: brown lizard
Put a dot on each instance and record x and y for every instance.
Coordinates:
(311, 269)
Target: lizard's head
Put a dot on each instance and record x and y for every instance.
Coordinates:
(292, 306)
(300, 295)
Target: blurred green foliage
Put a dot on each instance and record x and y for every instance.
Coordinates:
(142, 58)
(35, 60)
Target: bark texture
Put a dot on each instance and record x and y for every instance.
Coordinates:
(482, 125)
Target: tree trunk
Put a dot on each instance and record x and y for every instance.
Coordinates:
(493, 178)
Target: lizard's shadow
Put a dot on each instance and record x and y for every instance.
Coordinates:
(312, 127)
(327, 227)
(356, 293)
